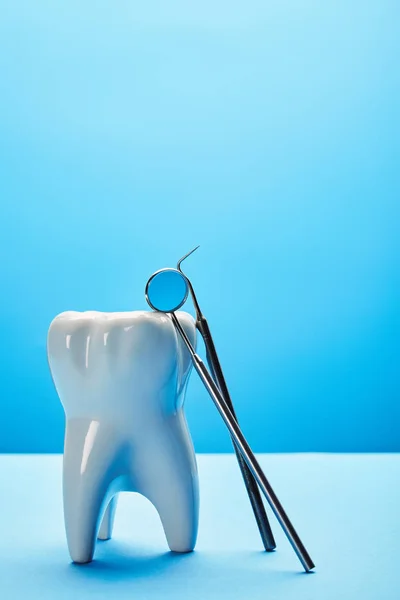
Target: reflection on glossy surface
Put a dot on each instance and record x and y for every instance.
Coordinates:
(167, 290)
(121, 378)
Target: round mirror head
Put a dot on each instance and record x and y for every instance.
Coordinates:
(167, 290)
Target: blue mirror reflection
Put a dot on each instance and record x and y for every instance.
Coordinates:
(167, 290)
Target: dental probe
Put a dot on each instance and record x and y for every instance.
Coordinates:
(214, 364)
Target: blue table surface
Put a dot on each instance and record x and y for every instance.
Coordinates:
(346, 508)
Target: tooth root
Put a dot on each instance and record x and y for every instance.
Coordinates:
(107, 523)
(169, 480)
(89, 470)
(164, 471)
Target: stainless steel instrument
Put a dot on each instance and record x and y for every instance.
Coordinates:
(166, 291)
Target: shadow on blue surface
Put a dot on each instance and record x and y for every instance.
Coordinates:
(122, 571)
(197, 574)
(120, 560)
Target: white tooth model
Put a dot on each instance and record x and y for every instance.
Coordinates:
(121, 378)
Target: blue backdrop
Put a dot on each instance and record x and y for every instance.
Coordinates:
(268, 133)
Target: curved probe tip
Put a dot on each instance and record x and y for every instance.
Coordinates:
(178, 266)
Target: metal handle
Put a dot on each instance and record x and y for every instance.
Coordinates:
(247, 453)
(253, 491)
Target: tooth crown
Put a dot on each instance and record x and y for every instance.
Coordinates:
(134, 352)
(121, 378)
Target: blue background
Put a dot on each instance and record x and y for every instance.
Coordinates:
(266, 132)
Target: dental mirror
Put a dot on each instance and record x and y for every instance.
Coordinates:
(167, 290)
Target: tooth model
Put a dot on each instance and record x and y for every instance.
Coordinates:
(121, 378)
